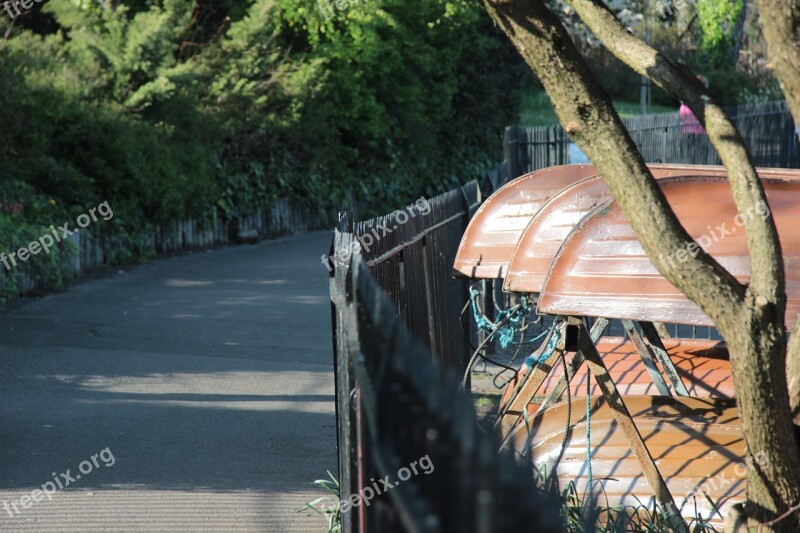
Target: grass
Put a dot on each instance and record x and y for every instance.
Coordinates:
(536, 109)
(487, 400)
(327, 506)
(583, 513)
(580, 512)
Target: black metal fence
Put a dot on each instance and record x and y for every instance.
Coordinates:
(410, 253)
(405, 420)
(768, 131)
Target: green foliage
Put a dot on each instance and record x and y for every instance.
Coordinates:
(730, 87)
(18, 204)
(170, 108)
(537, 110)
(718, 30)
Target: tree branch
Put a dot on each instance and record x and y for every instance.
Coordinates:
(780, 20)
(767, 272)
(589, 118)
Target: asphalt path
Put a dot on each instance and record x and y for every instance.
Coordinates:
(193, 393)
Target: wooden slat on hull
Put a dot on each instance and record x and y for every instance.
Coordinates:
(491, 237)
(602, 270)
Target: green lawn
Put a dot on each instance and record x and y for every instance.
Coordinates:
(537, 111)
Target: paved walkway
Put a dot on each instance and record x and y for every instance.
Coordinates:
(207, 379)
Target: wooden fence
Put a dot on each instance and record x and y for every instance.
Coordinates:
(89, 249)
(395, 408)
(768, 131)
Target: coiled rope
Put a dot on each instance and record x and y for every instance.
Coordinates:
(508, 320)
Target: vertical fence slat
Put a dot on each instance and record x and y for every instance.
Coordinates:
(768, 131)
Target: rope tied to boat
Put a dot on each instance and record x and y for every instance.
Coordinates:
(508, 320)
(532, 361)
(589, 431)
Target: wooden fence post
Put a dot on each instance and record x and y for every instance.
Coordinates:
(344, 382)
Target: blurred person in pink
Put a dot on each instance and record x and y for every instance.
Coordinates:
(691, 126)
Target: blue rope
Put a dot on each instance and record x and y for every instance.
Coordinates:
(481, 321)
(589, 427)
(508, 331)
(533, 361)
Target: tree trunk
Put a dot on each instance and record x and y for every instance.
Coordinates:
(756, 350)
(780, 20)
(750, 318)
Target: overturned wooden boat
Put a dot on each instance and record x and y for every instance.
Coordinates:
(555, 222)
(633, 365)
(696, 443)
(494, 232)
(678, 451)
(601, 268)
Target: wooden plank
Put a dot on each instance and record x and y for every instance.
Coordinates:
(511, 416)
(507, 427)
(662, 330)
(654, 340)
(531, 382)
(647, 357)
(573, 366)
(344, 383)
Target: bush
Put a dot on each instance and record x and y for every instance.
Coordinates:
(172, 108)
